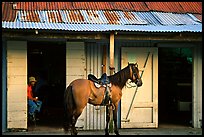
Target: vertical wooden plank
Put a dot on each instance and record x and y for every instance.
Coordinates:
(75, 52)
(17, 84)
(112, 69)
(104, 59)
(155, 85)
(112, 53)
(197, 87)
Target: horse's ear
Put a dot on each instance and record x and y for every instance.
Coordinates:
(136, 64)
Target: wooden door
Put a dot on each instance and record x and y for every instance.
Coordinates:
(139, 108)
(17, 84)
(75, 67)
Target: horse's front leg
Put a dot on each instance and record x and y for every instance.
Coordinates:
(107, 119)
(115, 120)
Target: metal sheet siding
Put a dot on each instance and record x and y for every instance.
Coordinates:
(94, 115)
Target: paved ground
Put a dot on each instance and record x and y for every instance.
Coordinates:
(53, 126)
(162, 130)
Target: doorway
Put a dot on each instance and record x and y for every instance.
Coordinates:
(47, 62)
(175, 86)
(139, 106)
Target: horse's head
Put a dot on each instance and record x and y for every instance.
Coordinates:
(135, 76)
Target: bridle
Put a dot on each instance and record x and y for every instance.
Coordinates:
(134, 72)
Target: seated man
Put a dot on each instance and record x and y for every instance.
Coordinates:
(33, 103)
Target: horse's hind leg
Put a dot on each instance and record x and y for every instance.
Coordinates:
(76, 115)
(107, 119)
(67, 122)
(115, 121)
(73, 128)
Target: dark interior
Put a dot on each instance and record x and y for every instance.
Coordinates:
(47, 62)
(175, 86)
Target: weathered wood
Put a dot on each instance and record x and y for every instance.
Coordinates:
(104, 59)
(144, 105)
(17, 84)
(30, 35)
(75, 67)
(112, 69)
(111, 53)
(197, 87)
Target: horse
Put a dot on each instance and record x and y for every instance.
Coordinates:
(82, 91)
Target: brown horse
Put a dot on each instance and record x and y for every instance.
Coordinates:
(83, 91)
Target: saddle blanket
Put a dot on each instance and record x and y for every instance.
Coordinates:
(98, 85)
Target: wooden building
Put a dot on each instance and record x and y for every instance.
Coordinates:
(69, 40)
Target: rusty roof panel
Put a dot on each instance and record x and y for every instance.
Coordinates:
(7, 13)
(164, 6)
(191, 7)
(106, 17)
(81, 16)
(198, 16)
(112, 17)
(9, 10)
(122, 15)
(139, 6)
(179, 7)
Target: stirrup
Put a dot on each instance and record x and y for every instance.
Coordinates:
(113, 106)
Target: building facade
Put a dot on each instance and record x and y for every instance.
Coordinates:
(69, 40)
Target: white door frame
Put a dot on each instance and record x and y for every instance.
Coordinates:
(150, 106)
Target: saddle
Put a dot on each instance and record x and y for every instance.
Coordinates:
(103, 81)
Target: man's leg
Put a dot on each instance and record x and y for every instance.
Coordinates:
(39, 104)
(32, 107)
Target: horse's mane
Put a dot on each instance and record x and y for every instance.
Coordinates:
(120, 78)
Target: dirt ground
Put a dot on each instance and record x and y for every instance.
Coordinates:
(51, 125)
(162, 130)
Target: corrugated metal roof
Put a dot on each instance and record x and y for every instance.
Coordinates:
(102, 27)
(97, 20)
(9, 8)
(179, 7)
(106, 17)
(175, 19)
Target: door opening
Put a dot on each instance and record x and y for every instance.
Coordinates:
(175, 86)
(47, 62)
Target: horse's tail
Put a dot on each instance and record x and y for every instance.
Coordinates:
(69, 106)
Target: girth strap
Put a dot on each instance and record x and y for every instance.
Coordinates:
(107, 100)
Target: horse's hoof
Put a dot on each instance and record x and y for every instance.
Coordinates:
(74, 133)
(106, 133)
(117, 133)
